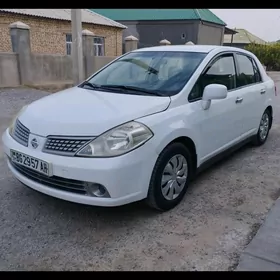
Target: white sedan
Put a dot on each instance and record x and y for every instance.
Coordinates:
(142, 126)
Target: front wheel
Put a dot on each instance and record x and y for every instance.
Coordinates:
(170, 177)
(264, 128)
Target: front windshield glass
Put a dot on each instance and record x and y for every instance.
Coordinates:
(162, 72)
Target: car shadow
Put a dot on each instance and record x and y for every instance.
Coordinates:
(229, 157)
(126, 213)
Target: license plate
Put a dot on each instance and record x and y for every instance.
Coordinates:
(30, 162)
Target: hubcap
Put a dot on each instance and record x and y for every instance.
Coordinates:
(174, 177)
(264, 126)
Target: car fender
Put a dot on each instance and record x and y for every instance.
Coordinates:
(167, 130)
(173, 135)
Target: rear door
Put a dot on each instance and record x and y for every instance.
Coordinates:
(251, 91)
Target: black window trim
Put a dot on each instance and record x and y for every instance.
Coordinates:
(255, 65)
(236, 66)
(209, 64)
(253, 62)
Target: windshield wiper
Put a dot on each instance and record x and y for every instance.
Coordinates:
(93, 86)
(121, 87)
(137, 89)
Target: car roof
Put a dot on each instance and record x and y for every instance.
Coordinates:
(190, 48)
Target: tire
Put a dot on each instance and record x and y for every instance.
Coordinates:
(179, 155)
(260, 138)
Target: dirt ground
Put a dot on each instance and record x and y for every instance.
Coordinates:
(220, 214)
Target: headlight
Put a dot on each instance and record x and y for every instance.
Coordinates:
(12, 124)
(117, 141)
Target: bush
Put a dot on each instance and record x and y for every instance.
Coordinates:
(269, 55)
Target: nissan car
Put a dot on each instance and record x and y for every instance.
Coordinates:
(143, 126)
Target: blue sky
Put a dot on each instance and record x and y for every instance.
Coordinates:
(264, 23)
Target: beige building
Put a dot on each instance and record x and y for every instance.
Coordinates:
(50, 31)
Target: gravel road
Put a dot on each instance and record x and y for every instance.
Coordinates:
(221, 212)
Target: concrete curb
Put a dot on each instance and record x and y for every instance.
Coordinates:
(263, 252)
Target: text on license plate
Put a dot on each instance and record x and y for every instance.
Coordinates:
(30, 162)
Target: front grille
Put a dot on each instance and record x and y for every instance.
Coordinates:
(21, 133)
(64, 145)
(56, 182)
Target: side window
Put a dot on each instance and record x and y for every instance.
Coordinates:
(221, 71)
(246, 71)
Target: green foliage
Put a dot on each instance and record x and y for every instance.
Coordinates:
(269, 55)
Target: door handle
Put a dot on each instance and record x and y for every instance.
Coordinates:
(263, 91)
(238, 100)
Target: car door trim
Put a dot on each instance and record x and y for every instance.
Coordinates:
(237, 71)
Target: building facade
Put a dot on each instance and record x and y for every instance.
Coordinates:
(50, 31)
(178, 26)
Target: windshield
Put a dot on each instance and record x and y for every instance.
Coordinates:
(163, 73)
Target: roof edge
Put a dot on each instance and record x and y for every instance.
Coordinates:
(115, 24)
(197, 14)
(230, 31)
(220, 24)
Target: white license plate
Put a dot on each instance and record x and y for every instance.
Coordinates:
(30, 162)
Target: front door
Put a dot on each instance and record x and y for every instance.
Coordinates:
(219, 126)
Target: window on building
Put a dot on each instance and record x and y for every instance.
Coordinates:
(68, 43)
(99, 46)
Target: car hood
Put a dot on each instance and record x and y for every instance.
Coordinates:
(82, 112)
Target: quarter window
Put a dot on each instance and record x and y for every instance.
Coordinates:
(221, 71)
(247, 74)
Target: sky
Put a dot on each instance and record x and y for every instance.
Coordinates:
(264, 23)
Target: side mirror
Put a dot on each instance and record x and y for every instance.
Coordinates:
(211, 92)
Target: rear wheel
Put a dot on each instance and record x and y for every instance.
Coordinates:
(264, 128)
(170, 177)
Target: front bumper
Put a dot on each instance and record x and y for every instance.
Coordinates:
(126, 177)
